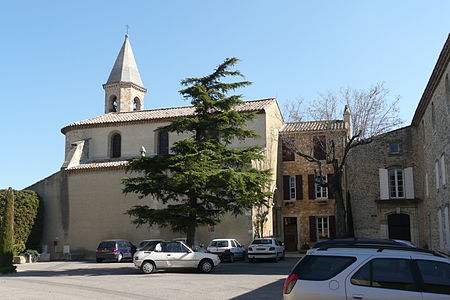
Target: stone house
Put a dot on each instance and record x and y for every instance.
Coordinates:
(84, 202)
(409, 169)
(306, 208)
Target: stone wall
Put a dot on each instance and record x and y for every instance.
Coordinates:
(369, 211)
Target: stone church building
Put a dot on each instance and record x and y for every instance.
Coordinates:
(397, 185)
(84, 202)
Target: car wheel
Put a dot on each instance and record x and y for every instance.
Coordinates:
(206, 266)
(119, 257)
(251, 260)
(99, 260)
(283, 256)
(148, 267)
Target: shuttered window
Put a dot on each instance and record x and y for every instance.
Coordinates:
(311, 187)
(292, 187)
(396, 183)
(320, 147)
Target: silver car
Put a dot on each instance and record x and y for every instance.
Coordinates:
(167, 255)
(369, 272)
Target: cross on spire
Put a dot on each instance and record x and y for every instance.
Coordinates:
(127, 28)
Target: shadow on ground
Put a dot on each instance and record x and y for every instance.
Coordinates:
(87, 268)
(264, 292)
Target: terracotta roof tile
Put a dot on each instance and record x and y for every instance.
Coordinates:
(313, 126)
(98, 165)
(157, 114)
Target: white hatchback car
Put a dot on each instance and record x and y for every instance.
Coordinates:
(265, 248)
(174, 255)
(369, 272)
(227, 249)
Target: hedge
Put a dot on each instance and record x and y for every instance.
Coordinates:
(28, 219)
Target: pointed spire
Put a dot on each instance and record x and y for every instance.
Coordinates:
(125, 68)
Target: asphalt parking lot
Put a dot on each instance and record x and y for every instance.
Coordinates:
(89, 280)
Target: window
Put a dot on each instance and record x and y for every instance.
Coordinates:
(136, 104)
(387, 273)
(321, 191)
(323, 231)
(163, 142)
(174, 248)
(320, 147)
(438, 174)
(292, 187)
(113, 107)
(317, 267)
(435, 275)
(443, 179)
(116, 145)
(233, 244)
(219, 244)
(394, 148)
(433, 117)
(396, 185)
(286, 152)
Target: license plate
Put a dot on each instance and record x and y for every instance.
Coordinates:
(105, 250)
(261, 249)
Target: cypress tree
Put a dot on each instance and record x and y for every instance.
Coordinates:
(7, 235)
(202, 177)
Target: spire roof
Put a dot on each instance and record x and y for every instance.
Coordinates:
(125, 68)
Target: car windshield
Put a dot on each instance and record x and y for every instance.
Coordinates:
(107, 245)
(262, 241)
(219, 244)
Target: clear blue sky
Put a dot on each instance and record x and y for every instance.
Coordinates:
(55, 56)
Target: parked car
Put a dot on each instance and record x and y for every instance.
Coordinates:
(361, 241)
(227, 249)
(147, 245)
(265, 248)
(115, 250)
(167, 255)
(369, 272)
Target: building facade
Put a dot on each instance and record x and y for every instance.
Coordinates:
(84, 202)
(399, 182)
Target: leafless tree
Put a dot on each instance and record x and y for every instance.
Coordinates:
(372, 112)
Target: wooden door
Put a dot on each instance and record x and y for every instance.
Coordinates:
(290, 234)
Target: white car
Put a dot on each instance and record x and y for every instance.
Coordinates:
(227, 249)
(168, 255)
(375, 272)
(265, 248)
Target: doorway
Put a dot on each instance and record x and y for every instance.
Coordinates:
(290, 234)
(399, 227)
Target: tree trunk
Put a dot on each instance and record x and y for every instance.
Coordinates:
(190, 235)
(336, 187)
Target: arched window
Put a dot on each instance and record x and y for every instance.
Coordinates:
(113, 104)
(163, 142)
(136, 104)
(116, 145)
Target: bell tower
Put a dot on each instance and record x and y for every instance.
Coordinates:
(124, 90)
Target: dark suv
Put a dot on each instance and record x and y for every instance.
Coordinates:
(114, 250)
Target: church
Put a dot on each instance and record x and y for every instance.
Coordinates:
(83, 201)
(397, 185)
